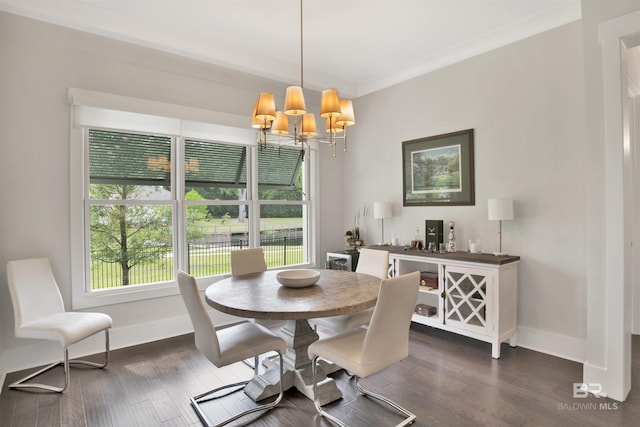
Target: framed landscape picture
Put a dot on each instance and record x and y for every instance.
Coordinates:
(438, 170)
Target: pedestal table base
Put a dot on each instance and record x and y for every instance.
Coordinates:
(297, 368)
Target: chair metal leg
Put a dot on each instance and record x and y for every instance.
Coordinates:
(22, 384)
(95, 364)
(253, 363)
(409, 417)
(316, 398)
(209, 395)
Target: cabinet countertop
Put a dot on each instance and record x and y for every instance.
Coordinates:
(483, 258)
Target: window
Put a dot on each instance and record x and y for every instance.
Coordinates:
(130, 207)
(182, 196)
(282, 213)
(219, 208)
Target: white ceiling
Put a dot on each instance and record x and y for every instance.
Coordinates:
(356, 46)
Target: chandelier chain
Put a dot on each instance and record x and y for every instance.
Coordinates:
(301, 50)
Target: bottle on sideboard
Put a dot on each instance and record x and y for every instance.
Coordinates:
(451, 245)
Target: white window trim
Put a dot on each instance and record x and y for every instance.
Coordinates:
(180, 121)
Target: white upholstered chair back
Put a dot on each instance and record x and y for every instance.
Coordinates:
(374, 262)
(34, 291)
(204, 330)
(387, 337)
(247, 261)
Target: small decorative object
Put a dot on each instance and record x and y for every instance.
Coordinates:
(452, 238)
(429, 279)
(358, 234)
(438, 170)
(474, 246)
(425, 310)
(300, 278)
(500, 209)
(417, 243)
(434, 233)
(357, 241)
(348, 239)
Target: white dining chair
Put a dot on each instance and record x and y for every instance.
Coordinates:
(247, 261)
(226, 346)
(39, 314)
(366, 351)
(373, 262)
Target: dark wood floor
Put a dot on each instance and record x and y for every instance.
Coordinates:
(447, 380)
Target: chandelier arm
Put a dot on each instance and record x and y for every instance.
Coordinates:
(345, 138)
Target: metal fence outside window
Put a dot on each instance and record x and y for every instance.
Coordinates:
(207, 259)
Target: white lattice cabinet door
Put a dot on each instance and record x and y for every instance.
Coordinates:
(468, 296)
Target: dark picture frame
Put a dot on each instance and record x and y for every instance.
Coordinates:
(438, 170)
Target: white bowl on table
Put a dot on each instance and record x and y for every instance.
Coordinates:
(299, 278)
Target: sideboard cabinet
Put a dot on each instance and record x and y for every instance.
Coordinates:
(475, 295)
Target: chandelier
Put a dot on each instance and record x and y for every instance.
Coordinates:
(337, 112)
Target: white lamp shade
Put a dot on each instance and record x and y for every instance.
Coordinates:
(346, 117)
(332, 127)
(280, 125)
(294, 101)
(266, 107)
(258, 123)
(309, 125)
(500, 209)
(330, 103)
(381, 210)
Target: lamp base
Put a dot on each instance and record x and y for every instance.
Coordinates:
(500, 253)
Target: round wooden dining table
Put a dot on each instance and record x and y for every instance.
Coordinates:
(261, 296)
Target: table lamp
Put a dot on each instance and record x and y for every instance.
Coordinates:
(381, 210)
(499, 210)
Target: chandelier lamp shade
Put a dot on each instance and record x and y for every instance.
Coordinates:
(274, 125)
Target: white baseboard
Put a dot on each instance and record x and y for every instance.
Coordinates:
(557, 345)
(612, 383)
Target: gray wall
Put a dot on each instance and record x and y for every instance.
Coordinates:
(39, 63)
(526, 105)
